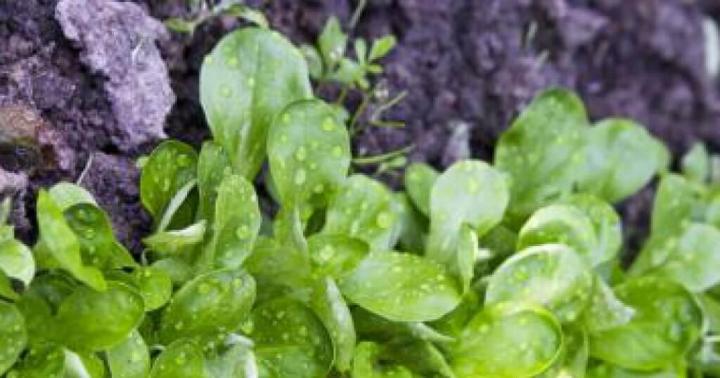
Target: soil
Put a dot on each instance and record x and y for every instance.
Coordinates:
(468, 67)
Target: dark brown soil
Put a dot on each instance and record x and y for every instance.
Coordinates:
(465, 64)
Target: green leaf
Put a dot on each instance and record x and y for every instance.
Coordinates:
(675, 201)
(40, 362)
(177, 269)
(469, 192)
(181, 359)
(83, 365)
(507, 340)
(290, 340)
(67, 195)
(696, 164)
(16, 261)
(412, 225)
(606, 370)
(335, 255)
(350, 73)
(606, 222)
(542, 150)
(210, 305)
(98, 244)
(573, 360)
(92, 320)
(551, 275)
(367, 364)
(238, 361)
(129, 359)
(237, 222)
(666, 324)
(309, 152)
(58, 241)
(280, 269)
(419, 181)
(168, 243)
(364, 209)
(606, 310)
(6, 289)
(374, 327)
(330, 307)
(248, 14)
(248, 78)
(381, 47)
(693, 259)
(171, 166)
(332, 42)
(155, 286)
(562, 224)
(420, 289)
(13, 336)
(621, 158)
(213, 165)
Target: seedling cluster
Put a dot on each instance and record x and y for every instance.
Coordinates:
(509, 269)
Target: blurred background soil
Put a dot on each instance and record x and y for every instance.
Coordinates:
(92, 104)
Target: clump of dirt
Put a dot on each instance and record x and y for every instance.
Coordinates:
(468, 66)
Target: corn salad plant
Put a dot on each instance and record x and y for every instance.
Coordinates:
(508, 269)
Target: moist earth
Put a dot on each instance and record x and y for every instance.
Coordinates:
(468, 67)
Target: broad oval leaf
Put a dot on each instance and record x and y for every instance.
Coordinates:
(507, 341)
(562, 224)
(469, 192)
(290, 340)
(280, 270)
(211, 304)
(334, 313)
(309, 152)
(91, 320)
(542, 150)
(60, 245)
(181, 359)
(693, 258)
(130, 358)
(551, 275)
(13, 335)
(674, 204)
(696, 163)
(401, 287)
(364, 209)
(419, 181)
(238, 361)
(249, 77)
(170, 167)
(666, 324)
(621, 158)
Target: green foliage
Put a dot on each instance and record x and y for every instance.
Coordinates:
(504, 270)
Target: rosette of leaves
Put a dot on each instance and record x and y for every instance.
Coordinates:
(508, 269)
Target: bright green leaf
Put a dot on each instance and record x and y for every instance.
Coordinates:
(542, 150)
(551, 275)
(290, 340)
(332, 310)
(666, 324)
(92, 320)
(419, 181)
(249, 77)
(621, 158)
(171, 166)
(420, 289)
(13, 336)
(211, 304)
(181, 359)
(507, 341)
(129, 359)
(696, 164)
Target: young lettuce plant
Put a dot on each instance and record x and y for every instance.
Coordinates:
(495, 270)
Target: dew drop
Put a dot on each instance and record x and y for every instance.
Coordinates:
(328, 124)
(301, 153)
(233, 62)
(337, 151)
(300, 177)
(242, 232)
(225, 91)
(383, 220)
